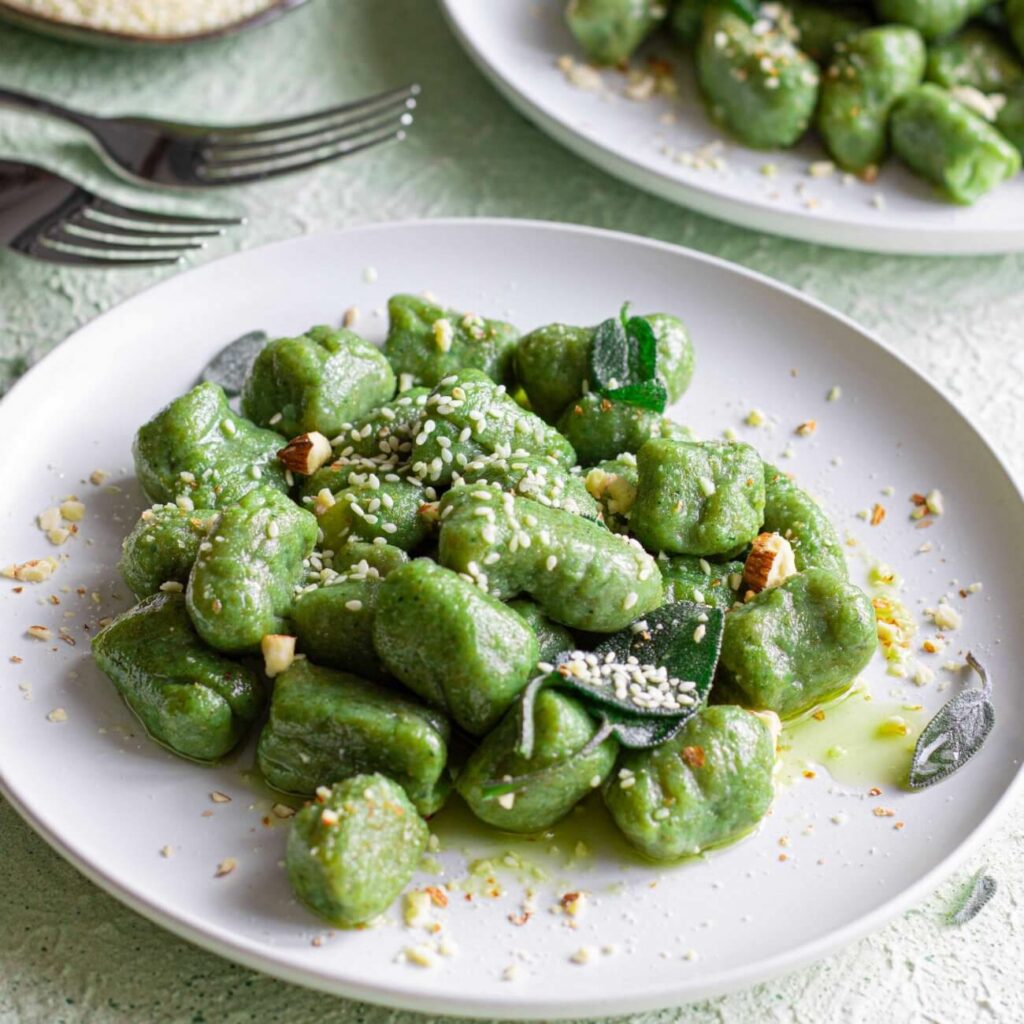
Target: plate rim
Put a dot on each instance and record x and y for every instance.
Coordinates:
(255, 956)
(816, 229)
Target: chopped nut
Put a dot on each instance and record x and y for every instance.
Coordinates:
(306, 453)
(49, 519)
(573, 903)
(220, 798)
(225, 867)
(877, 514)
(771, 560)
(72, 510)
(807, 428)
(36, 570)
(282, 811)
(421, 956)
(350, 317)
(437, 896)
(278, 653)
(693, 757)
(40, 632)
(57, 715)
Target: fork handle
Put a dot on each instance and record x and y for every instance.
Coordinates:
(23, 101)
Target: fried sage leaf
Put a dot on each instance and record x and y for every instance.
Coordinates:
(983, 888)
(955, 734)
(683, 638)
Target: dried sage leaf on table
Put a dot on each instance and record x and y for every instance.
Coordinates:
(983, 888)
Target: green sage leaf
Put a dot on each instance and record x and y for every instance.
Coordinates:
(670, 638)
(609, 356)
(748, 10)
(641, 733)
(623, 362)
(648, 394)
(955, 734)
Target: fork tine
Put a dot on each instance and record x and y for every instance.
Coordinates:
(86, 218)
(79, 234)
(365, 120)
(51, 254)
(59, 235)
(227, 133)
(156, 219)
(249, 156)
(274, 170)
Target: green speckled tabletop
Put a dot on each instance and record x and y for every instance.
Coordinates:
(68, 952)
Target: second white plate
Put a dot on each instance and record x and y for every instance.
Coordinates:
(516, 43)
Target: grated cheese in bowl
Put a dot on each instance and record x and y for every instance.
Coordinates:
(147, 18)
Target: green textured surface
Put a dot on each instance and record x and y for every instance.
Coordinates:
(69, 954)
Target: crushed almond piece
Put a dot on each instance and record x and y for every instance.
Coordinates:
(57, 715)
(306, 453)
(883, 812)
(282, 811)
(220, 798)
(350, 316)
(40, 632)
(771, 560)
(877, 514)
(437, 896)
(278, 653)
(807, 428)
(225, 867)
(36, 570)
(72, 510)
(693, 757)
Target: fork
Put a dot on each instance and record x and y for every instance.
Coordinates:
(49, 218)
(191, 155)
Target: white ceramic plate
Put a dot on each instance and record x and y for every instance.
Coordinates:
(516, 44)
(110, 800)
